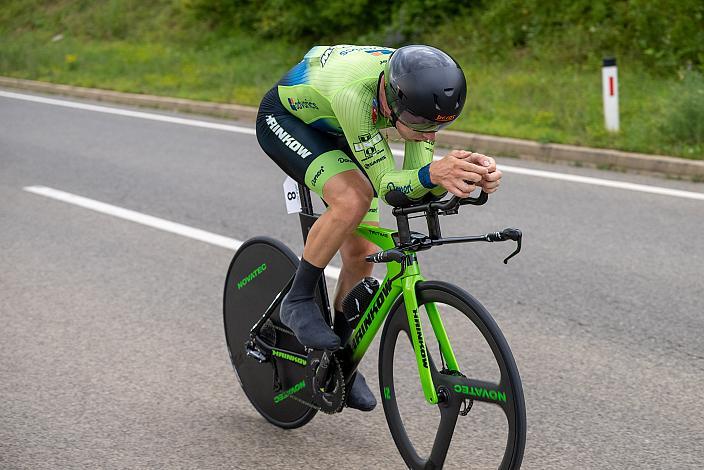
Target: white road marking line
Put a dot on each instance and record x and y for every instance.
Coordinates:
(150, 221)
(129, 113)
(604, 182)
(251, 131)
(591, 180)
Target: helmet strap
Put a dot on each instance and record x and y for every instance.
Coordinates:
(393, 116)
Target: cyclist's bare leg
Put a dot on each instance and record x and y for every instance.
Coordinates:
(348, 195)
(353, 251)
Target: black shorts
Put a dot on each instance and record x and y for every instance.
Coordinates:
(308, 155)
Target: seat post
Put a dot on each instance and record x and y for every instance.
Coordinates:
(306, 202)
(308, 218)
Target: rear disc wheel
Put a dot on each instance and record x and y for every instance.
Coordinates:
(259, 271)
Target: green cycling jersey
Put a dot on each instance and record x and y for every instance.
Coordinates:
(334, 89)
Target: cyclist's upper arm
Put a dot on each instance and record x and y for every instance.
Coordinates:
(352, 106)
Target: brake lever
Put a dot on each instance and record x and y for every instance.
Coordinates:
(515, 235)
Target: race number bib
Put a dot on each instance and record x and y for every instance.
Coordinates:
(291, 196)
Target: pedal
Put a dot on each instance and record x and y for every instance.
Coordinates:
(251, 351)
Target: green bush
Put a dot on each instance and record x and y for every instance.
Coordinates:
(664, 34)
(684, 121)
(321, 20)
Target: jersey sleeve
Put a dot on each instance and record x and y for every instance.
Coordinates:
(418, 155)
(353, 109)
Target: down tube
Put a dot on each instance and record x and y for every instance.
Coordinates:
(373, 318)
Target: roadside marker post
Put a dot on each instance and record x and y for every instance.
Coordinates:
(609, 80)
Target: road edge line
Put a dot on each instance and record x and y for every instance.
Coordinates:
(502, 146)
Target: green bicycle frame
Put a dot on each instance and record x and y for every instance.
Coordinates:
(400, 282)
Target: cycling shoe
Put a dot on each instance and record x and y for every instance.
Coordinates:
(360, 397)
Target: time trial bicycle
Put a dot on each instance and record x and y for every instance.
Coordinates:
(288, 383)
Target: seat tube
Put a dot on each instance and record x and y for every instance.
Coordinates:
(416, 330)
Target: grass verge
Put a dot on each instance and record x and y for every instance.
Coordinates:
(515, 95)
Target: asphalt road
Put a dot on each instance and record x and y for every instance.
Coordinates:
(112, 352)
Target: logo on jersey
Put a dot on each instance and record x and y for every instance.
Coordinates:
(368, 165)
(405, 189)
(286, 138)
(317, 175)
(367, 141)
(300, 104)
(378, 52)
(375, 51)
(445, 118)
(368, 144)
(326, 55)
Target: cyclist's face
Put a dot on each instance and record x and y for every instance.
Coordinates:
(409, 134)
(406, 132)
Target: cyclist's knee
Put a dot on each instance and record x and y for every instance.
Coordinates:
(354, 206)
(350, 195)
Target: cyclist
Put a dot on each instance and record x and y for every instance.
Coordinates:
(321, 125)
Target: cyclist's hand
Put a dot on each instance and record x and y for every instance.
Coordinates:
(460, 171)
(491, 180)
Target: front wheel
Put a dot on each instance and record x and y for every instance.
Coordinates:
(474, 374)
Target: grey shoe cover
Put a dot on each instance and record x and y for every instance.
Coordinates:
(306, 322)
(360, 397)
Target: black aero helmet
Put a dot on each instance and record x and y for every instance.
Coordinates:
(425, 88)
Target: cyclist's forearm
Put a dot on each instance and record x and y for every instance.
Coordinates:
(413, 183)
(417, 154)
(414, 179)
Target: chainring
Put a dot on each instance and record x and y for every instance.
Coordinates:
(328, 397)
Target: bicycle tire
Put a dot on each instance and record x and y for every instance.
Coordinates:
(259, 270)
(442, 293)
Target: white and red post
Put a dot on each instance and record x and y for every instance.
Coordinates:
(609, 77)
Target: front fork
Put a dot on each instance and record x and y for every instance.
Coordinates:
(416, 332)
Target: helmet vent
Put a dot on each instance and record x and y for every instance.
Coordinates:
(448, 91)
(437, 105)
